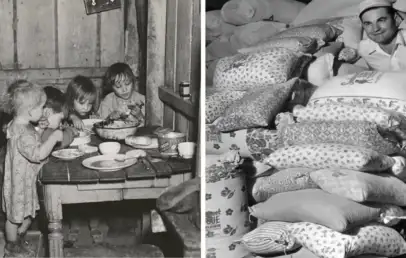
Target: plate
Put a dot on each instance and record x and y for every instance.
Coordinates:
(153, 145)
(67, 154)
(83, 138)
(106, 163)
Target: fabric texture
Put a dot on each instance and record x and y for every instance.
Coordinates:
(328, 155)
(269, 238)
(369, 88)
(368, 239)
(333, 211)
(215, 26)
(357, 133)
(331, 48)
(217, 101)
(259, 69)
(351, 28)
(321, 32)
(296, 44)
(285, 180)
(257, 108)
(21, 168)
(261, 142)
(321, 69)
(361, 187)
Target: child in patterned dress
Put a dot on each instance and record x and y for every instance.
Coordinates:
(124, 99)
(25, 156)
(82, 99)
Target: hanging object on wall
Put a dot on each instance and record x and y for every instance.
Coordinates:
(97, 6)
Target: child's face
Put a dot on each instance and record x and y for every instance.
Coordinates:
(82, 108)
(54, 119)
(123, 87)
(37, 112)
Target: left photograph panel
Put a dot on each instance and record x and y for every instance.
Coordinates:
(99, 137)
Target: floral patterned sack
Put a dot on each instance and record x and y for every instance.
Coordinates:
(385, 90)
(286, 180)
(259, 69)
(361, 187)
(391, 125)
(217, 102)
(358, 133)
(257, 108)
(321, 32)
(296, 44)
(226, 204)
(369, 239)
(269, 238)
(261, 142)
(328, 155)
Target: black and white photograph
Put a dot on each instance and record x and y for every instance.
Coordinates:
(100, 139)
(305, 112)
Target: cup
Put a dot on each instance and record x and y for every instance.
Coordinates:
(186, 149)
(107, 148)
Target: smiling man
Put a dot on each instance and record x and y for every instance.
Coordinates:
(385, 47)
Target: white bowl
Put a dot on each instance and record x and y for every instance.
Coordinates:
(106, 148)
(186, 149)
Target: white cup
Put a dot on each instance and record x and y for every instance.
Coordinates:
(186, 149)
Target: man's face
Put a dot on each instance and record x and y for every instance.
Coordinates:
(380, 25)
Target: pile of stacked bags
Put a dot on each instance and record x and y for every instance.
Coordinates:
(331, 144)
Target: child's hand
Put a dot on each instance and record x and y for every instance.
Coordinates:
(77, 122)
(115, 115)
(75, 132)
(43, 123)
(136, 111)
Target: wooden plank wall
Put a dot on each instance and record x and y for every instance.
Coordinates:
(53, 34)
(182, 59)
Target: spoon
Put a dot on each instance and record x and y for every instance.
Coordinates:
(119, 159)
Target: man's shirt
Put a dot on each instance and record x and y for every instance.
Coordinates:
(379, 60)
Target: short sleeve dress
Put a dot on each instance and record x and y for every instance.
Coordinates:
(112, 103)
(22, 165)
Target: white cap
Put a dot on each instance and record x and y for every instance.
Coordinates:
(367, 4)
(400, 5)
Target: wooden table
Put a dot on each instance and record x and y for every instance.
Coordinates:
(67, 182)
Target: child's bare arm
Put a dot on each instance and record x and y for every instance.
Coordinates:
(35, 151)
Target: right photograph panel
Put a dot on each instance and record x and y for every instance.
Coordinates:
(305, 136)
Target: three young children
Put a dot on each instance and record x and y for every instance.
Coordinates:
(27, 148)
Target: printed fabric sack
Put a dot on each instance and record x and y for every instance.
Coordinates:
(321, 32)
(259, 69)
(369, 239)
(328, 155)
(296, 44)
(391, 125)
(385, 90)
(361, 187)
(358, 133)
(269, 238)
(316, 206)
(217, 102)
(285, 180)
(257, 108)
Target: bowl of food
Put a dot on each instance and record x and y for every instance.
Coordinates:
(117, 129)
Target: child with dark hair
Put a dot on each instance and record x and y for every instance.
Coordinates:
(55, 111)
(82, 100)
(124, 99)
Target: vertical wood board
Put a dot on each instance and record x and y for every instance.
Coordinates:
(77, 35)
(36, 34)
(112, 37)
(7, 38)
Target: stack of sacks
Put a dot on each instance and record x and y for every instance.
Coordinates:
(339, 177)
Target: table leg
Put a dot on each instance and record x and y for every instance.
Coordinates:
(53, 207)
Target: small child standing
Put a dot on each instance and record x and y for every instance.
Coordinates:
(124, 99)
(82, 100)
(24, 158)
